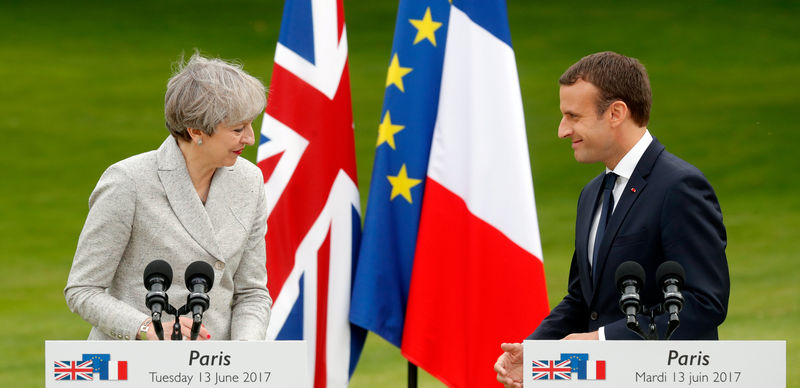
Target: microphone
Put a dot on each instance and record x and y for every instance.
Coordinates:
(199, 279)
(629, 279)
(670, 275)
(157, 279)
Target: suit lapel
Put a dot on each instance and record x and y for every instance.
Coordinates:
(639, 182)
(183, 198)
(627, 200)
(586, 209)
(228, 226)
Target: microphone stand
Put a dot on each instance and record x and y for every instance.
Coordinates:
(158, 303)
(673, 324)
(197, 302)
(158, 326)
(197, 320)
(176, 326)
(633, 325)
(652, 334)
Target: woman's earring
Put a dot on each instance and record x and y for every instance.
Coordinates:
(200, 141)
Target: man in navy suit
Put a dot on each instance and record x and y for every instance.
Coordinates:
(660, 208)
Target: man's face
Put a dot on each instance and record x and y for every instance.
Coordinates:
(592, 138)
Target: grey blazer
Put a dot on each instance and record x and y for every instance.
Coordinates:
(145, 208)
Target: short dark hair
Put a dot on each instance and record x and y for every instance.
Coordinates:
(619, 78)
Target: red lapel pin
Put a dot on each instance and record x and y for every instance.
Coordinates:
(633, 189)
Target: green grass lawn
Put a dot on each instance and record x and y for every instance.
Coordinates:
(82, 85)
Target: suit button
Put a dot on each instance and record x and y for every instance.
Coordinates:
(219, 265)
(593, 315)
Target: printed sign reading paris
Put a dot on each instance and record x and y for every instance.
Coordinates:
(633, 364)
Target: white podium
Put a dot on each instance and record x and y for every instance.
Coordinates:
(195, 364)
(730, 364)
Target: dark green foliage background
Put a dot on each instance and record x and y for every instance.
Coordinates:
(82, 84)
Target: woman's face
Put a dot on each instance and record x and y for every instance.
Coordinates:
(227, 143)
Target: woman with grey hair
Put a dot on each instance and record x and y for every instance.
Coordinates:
(192, 199)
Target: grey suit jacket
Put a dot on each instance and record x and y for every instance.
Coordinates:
(145, 208)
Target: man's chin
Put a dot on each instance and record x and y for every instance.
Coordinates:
(584, 159)
(581, 158)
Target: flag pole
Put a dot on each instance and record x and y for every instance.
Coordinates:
(412, 375)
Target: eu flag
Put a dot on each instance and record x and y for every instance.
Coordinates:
(411, 98)
(451, 210)
(578, 363)
(99, 364)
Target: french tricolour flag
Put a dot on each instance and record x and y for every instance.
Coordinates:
(307, 155)
(476, 274)
(104, 368)
(583, 368)
(118, 370)
(596, 370)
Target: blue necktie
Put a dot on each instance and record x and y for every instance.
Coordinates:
(605, 213)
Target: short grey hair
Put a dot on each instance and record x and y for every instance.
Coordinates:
(205, 92)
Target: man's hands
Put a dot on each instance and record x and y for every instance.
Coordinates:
(509, 366)
(583, 336)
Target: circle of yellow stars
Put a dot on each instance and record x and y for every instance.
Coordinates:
(426, 30)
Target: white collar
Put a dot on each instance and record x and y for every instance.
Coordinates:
(628, 162)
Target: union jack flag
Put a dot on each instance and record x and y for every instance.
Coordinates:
(307, 155)
(551, 370)
(73, 370)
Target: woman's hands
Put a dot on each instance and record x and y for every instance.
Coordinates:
(186, 330)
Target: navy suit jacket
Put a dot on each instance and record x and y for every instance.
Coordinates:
(668, 211)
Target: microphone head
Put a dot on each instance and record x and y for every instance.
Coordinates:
(670, 269)
(629, 270)
(199, 269)
(158, 268)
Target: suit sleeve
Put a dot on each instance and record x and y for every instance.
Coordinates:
(570, 315)
(251, 304)
(101, 245)
(692, 233)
